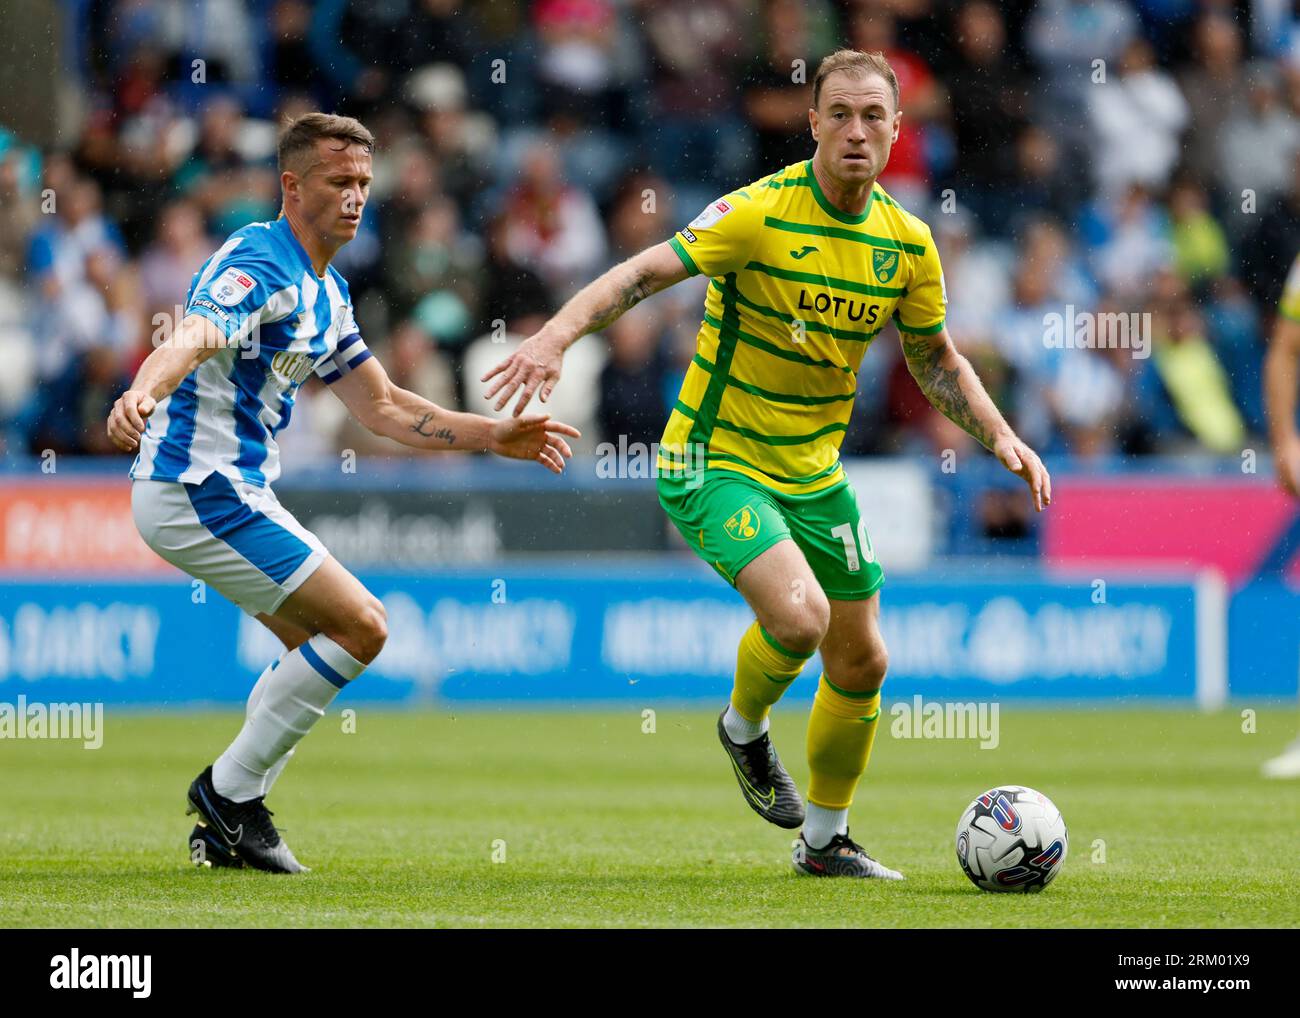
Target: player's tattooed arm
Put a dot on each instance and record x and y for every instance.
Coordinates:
(601, 302)
(630, 293)
(410, 419)
(952, 387)
(535, 366)
(426, 424)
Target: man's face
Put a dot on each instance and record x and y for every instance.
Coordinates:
(332, 191)
(855, 125)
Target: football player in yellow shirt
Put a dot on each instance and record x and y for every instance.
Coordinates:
(1281, 379)
(806, 267)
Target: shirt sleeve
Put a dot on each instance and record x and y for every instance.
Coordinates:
(722, 238)
(922, 307)
(243, 291)
(1290, 304)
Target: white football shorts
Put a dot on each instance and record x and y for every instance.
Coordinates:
(232, 535)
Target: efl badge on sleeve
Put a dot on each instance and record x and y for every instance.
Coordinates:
(715, 211)
(232, 286)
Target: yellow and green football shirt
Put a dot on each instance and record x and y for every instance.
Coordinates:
(1289, 307)
(798, 290)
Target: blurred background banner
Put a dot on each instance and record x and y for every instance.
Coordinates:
(633, 630)
(1239, 527)
(1103, 159)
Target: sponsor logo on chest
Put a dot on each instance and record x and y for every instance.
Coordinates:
(832, 305)
(292, 368)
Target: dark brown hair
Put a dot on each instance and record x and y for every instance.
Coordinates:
(301, 134)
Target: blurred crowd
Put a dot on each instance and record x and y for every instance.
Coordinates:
(1123, 157)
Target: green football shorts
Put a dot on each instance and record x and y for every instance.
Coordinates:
(731, 519)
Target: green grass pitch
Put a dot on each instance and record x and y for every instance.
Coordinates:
(603, 825)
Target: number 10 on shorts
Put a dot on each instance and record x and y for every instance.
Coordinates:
(845, 533)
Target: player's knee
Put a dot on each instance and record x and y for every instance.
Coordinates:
(868, 668)
(802, 626)
(374, 629)
(367, 632)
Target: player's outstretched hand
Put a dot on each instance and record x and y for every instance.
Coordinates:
(535, 437)
(127, 419)
(536, 364)
(1025, 464)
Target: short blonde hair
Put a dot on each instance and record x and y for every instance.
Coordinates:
(301, 134)
(855, 62)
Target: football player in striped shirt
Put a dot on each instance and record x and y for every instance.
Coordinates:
(263, 314)
(806, 267)
(1281, 380)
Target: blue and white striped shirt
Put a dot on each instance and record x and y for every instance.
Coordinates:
(283, 323)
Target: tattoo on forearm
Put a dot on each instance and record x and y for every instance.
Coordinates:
(943, 388)
(443, 433)
(631, 294)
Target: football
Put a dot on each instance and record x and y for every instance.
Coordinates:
(1011, 838)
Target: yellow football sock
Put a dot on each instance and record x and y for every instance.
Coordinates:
(764, 671)
(841, 729)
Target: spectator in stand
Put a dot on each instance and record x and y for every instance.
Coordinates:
(696, 47)
(22, 213)
(167, 266)
(631, 400)
(1132, 241)
(1138, 116)
(1271, 242)
(1217, 95)
(1257, 149)
(134, 139)
(366, 50)
(989, 100)
(1200, 247)
(583, 56)
(515, 300)
(290, 61)
(1065, 38)
(458, 139)
(415, 184)
(1043, 186)
(642, 214)
(1185, 389)
(437, 274)
(1085, 395)
(87, 316)
(977, 275)
(1234, 327)
(551, 226)
(1047, 279)
(73, 259)
(233, 186)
